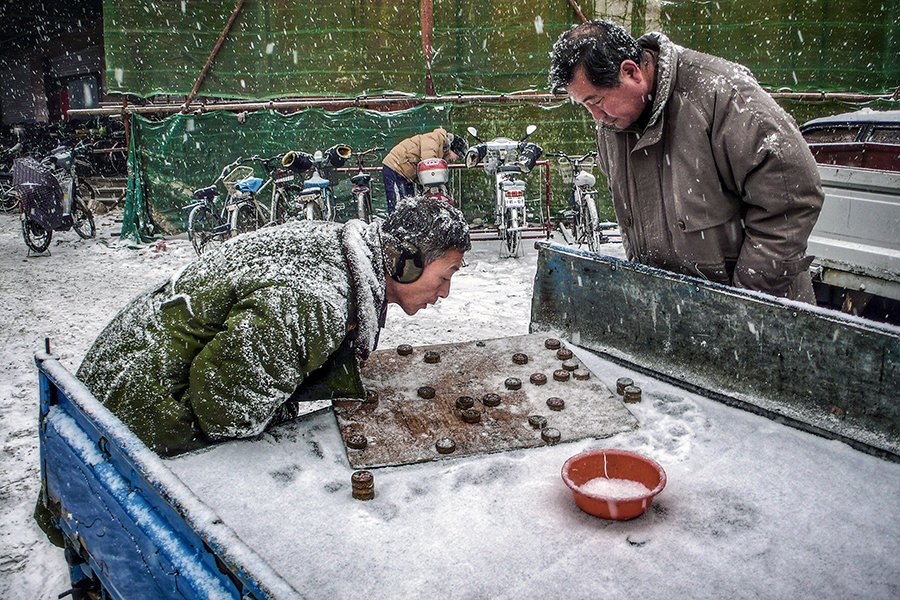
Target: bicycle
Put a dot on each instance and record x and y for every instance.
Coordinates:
(317, 197)
(9, 199)
(243, 211)
(208, 226)
(584, 215)
(362, 184)
(285, 202)
(248, 212)
(505, 160)
(52, 199)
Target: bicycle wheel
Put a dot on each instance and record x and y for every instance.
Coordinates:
(595, 237)
(293, 202)
(202, 230)
(312, 212)
(86, 192)
(82, 220)
(9, 199)
(364, 207)
(36, 237)
(512, 232)
(118, 159)
(246, 218)
(279, 208)
(578, 219)
(328, 210)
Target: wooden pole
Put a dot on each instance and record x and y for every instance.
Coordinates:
(212, 56)
(427, 22)
(578, 11)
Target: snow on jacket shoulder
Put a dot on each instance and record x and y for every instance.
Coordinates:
(404, 158)
(217, 351)
(720, 184)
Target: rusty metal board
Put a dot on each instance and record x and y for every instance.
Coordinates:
(402, 427)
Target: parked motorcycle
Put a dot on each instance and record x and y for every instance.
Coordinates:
(506, 160)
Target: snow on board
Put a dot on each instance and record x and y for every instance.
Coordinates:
(402, 427)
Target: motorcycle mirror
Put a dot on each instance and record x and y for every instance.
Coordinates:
(474, 133)
(529, 130)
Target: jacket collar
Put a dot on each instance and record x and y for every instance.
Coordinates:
(361, 243)
(666, 68)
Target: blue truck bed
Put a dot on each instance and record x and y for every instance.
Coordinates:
(127, 519)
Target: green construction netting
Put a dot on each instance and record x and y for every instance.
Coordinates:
(797, 44)
(285, 48)
(274, 48)
(172, 157)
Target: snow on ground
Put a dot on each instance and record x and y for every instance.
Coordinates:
(69, 297)
(752, 508)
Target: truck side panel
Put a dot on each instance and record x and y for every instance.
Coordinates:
(132, 524)
(817, 369)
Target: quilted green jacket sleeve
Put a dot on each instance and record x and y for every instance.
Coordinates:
(268, 346)
(218, 350)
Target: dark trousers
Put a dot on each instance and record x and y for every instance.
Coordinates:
(396, 186)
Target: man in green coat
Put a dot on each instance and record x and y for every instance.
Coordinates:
(232, 342)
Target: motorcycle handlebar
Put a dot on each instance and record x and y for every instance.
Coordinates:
(530, 153)
(475, 154)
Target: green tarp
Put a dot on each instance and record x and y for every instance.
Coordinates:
(173, 157)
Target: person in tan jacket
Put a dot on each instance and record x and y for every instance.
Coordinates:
(709, 176)
(400, 167)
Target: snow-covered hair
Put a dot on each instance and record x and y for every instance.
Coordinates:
(599, 47)
(433, 226)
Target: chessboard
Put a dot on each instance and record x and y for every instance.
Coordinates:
(432, 402)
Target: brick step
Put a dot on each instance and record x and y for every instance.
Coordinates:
(110, 190)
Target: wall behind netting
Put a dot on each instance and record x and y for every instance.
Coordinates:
(823, 45)
(280, 48)
(286, 48)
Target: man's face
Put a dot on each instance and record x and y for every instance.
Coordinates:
(433, 284)
(619, 106)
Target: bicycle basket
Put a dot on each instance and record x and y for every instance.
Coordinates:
(40, 193)
(238, 174)
(565, 170)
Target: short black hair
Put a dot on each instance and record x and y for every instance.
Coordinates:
(599, 47)
(431, 225)
(458, 144)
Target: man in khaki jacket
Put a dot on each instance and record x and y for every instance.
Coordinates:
(709, 176)
(400, 170)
